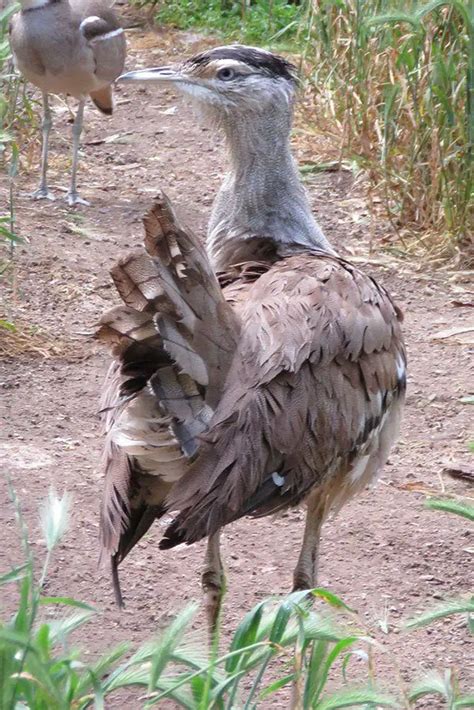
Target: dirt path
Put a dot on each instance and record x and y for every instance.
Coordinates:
(385, 554)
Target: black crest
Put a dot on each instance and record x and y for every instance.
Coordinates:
(263, 61)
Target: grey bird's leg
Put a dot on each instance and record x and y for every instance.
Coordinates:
(42, 193)
(72, 196)
(213, 582)
(305, 576)
(306, 570)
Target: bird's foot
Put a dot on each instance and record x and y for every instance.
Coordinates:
(42, 193)
(74, 199)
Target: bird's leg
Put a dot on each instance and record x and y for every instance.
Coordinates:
(305, 573)
(72, 196)
(42, 193)
(213, 582)
(304, 577)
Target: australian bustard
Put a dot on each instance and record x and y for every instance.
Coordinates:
(285, 386)
(74, 47)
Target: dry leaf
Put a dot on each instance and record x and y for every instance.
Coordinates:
(460, 470)
(463, 331)
(463, 304)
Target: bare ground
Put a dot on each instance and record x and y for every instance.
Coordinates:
(384, 554)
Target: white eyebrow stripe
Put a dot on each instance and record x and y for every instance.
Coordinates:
(234, 63)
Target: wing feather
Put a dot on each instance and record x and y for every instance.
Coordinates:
(314, 375)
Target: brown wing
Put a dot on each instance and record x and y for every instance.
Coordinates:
(198, 327)
(154, 410)
(314, 386)
(145, 449)
(141, 457)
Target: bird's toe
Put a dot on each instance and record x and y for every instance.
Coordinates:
(42, 193)
(74, 199)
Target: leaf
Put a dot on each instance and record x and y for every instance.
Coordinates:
(453, 606)
(454, 333)
(54, 516)
(273, 687)
(8, 326)
(42, 641)
(16, 638)
(166, 644)
(353, 698)
(7, 12)
(246, 634)
(66, 601)
(464, 509)
(432, 683)
(103, 666)
(394, 18)
(98, 692)
(331, 598)
(61, 628)
(324, 669)
(15, 574)
(281, 622)
(9, 235)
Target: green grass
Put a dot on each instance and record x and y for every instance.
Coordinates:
(17, 116)
(280, 642)
(243, 21)
(399, 83)
(16, 120)
(289, 642)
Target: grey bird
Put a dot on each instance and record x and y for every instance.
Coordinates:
(74, 47)
(270, 371)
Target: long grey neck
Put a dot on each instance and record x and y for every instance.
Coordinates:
(262, 195)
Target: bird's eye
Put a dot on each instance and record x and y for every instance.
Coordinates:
(226, 73)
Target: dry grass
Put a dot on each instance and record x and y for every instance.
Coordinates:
(21, 339)
(391, 89)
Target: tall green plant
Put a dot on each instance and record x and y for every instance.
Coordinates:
(445, 684)
(280, 643)
(40, 670)
(16, 119)
(10, 111)
(400, 84)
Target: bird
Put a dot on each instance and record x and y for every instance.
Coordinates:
(279, 371)
(74, 47)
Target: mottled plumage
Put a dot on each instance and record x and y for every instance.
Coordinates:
(315, 386)
(296, 355)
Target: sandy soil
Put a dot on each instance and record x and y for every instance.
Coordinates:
(385, 554)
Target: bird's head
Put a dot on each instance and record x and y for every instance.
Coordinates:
(229, 80)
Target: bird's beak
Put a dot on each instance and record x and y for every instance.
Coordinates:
(153, 74)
